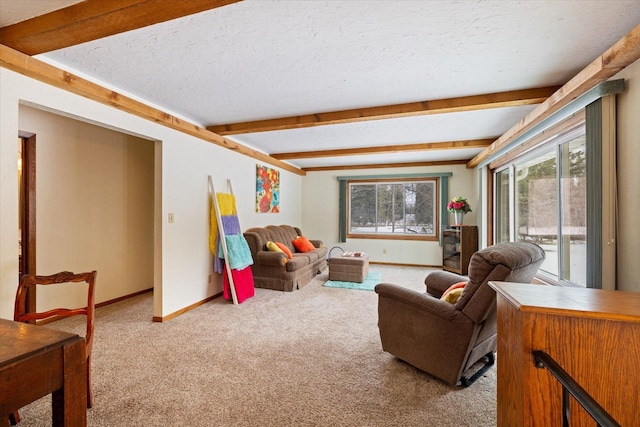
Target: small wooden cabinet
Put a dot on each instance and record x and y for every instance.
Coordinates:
(459, 242)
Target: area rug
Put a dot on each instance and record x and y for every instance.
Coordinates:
(372, 279)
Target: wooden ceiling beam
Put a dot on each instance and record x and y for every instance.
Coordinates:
(427, 146)
(46, 73)
(95, 19)
(619, 56)
(438, 106)
(386, 165)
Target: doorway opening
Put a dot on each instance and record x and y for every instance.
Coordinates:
(96, 207)
(27, 209)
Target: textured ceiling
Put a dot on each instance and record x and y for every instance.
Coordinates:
(267, 59)
(12, 11)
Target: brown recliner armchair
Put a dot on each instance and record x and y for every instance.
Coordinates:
(445, 339)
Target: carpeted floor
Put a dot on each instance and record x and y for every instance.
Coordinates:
(306, 358)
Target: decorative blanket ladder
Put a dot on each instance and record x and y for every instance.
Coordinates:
(223, 243)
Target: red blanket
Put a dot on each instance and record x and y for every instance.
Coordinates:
(243, 280)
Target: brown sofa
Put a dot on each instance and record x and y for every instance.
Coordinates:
(446, 339)
(272, 270)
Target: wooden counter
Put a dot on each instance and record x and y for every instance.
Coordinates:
(594, 335)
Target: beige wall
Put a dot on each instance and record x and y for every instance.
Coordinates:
(320, 214)
(628, 147)
(94, 204)
(183, 273)
(183, 264)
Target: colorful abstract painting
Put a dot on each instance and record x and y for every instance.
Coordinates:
(267, 190)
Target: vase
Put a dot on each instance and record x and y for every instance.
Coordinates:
(458, 217)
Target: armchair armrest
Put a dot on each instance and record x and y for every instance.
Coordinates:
(271, 258)
(418, 300)
(439, 281)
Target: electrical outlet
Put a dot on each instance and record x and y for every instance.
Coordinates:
(171, 218)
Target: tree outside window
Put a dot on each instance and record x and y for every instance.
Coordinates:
(392, 208)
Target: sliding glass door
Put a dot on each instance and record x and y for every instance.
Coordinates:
(547, 192)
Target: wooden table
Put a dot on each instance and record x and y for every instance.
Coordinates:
(36, 361)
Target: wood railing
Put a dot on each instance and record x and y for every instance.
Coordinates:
(571, 387)
(592, 336)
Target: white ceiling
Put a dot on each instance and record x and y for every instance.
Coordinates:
(12, 11)
(262, 59)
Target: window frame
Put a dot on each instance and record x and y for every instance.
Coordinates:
(555, 138)
(599, 106)
(395, 236)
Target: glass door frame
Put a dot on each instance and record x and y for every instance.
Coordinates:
(557, 141)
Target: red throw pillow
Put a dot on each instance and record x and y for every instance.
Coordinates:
(302, 244)
(450, 289)
(285, 249)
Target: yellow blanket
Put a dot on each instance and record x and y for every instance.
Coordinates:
(227, 205)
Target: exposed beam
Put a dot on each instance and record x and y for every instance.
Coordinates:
(622, 54)
(386, 165)
(31, 67)
(95, 19)
(438, 106)
(427, 146)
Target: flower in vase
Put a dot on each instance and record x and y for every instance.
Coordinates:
(459, 205)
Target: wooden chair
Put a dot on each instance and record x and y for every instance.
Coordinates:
(20, 314)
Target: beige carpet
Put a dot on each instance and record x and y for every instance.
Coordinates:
(308, 358)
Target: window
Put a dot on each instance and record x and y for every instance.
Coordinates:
(549, 192)
(555, 184)
(503, 207)
(422, 205)
(406, 209)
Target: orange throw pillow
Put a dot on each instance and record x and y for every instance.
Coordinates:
(284, 249)
(302, 244)
(453, 292)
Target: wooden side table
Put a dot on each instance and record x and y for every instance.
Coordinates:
(36, 361)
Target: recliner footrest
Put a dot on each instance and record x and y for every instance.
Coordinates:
(467, 381)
